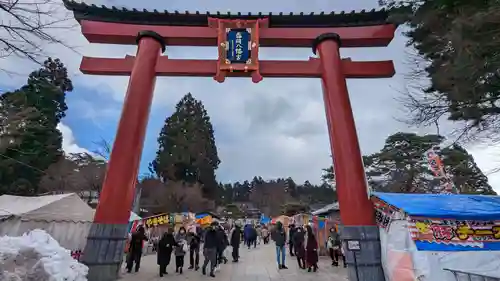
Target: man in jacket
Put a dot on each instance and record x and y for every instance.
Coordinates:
(135, 251)
(279, 238)
(221, 245)
(194, 250)
(210, 249)
(235, 242)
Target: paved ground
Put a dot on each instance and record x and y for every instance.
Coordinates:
(255, 265)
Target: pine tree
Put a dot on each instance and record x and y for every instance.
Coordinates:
(458, 47)
(401, 166)
(187, 150)
(38, 142)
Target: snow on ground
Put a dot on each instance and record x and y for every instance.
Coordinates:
(37, 256)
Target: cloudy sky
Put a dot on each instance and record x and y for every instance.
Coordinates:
(275, 128)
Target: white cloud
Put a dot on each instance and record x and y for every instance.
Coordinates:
(487, 158)
(276, 128)
(69, 144)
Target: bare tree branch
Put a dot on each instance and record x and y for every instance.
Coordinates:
(26, 26)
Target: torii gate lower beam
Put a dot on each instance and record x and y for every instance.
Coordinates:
(207, 68)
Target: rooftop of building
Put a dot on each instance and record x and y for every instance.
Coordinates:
(83, 11)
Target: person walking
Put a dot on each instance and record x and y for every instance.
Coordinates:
(311, 250)
(291, 233)
(234, 237)
(135, 249)
(180, 249)
(247, 232)
(222, 243)
(265, 235)
(259, 233)
(279, 238)
(298, 244)
(253, 236)
(194, 250)
(334, 245)
(164, 251)
(210, 249)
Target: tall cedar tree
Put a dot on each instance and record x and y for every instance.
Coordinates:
(401, 166)
(187, 150)
(38, 142)
(458, 40)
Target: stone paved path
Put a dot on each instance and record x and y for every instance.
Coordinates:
(255, 265)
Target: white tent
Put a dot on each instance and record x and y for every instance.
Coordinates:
(66, 217)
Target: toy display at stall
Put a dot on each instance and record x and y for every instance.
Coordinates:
(434, 236)
(156, 225)
(321, 226)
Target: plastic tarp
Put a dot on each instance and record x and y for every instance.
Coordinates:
(66, 217)
(445, 206)
(134, 217)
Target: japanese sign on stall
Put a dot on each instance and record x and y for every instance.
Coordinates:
(455, 235)
(383, 213)
(204, 220)
(157, 220)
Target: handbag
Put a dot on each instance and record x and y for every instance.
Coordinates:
(184, 247)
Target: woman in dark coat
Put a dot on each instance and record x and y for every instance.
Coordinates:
(165, 248)
(311, 250)
(298, 245)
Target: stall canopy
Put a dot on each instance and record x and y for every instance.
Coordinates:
(61, 207)
(444, 206)
(66, 217)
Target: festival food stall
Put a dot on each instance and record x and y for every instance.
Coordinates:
(204, 219)
(321, 226)
(285, 220)
(429, 236)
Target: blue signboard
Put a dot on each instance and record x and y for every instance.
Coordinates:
(238, 43)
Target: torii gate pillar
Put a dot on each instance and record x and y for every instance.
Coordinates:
(358, 231)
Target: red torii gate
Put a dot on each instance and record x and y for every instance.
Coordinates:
(153, 31)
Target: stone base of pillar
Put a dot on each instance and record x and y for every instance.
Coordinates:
(363, 256)
(104, 251)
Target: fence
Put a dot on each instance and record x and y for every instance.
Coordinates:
(467, 276)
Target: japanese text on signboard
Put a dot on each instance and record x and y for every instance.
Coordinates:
(238, 45)
(457, 231)
(156, 220)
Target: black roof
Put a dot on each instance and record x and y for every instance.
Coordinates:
(92, 12)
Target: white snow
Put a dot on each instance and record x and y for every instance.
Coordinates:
(37, 256)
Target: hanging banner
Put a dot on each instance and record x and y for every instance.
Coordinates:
(454, 235)
(437, 168)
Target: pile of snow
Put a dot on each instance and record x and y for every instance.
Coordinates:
(37, 256)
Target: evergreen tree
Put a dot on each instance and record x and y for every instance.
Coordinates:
(187, 150)
(38, 142)
(401, 166)
(459, 47)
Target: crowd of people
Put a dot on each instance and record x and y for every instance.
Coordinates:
(214, 240)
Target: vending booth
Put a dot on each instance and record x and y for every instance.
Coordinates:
(429, 237)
